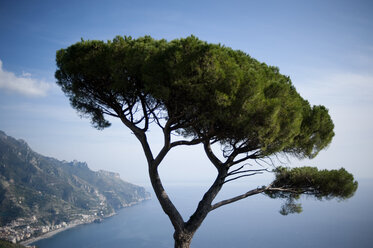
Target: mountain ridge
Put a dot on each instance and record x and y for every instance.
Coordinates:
(36, 190)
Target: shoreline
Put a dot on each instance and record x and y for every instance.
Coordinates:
(49, 234)
(70, 226)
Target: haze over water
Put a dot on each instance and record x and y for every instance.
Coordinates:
(253, 222)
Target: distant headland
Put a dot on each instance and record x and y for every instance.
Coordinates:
(42, 196)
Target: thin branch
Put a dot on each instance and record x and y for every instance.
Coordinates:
(131, 114)
(279, 160)
(155, 117)
(235, 172)
(124, 110)
(256, 161)
(106, 112)
(254, 192)
(269, 164)
(273, 164)
(140, 135)
(186, 142)
(145, 114)
(138, 121)
(247, 175)
(232, 162)
(242, 148)
(291, 190)
(232, 172)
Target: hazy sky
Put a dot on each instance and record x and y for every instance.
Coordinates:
(326, 47)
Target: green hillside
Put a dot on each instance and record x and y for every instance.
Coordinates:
(48, 191)
(6, 244)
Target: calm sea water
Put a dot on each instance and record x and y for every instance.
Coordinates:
(253, 222)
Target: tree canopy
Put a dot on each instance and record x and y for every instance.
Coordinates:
(206, 94)
(207, 90)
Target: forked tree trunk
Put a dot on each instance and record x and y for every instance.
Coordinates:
(184, 231)
(183, 240)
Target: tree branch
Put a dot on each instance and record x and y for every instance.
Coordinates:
(244, 171)
(254, 192)
(240, 197)
(269, 164)
(215, 161)
(186, 142)
(290, 190)
(145, 113)
(166, 146)
(155, 117)
(106, 112)
(166, 204)
(242, 148)
(232, 172)
(247, 175)
(204, 206)
(231, 161)
(140, 135)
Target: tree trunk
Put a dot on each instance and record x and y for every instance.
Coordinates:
(182, 240)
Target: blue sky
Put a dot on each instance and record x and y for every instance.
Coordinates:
(326, 47)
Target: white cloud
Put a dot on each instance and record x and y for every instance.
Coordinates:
(23, 84)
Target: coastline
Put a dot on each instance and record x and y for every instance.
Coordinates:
(49, 234)
(70, 226)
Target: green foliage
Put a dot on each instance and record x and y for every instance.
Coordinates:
(322, 184)
(206, 90)
(6, 244)
(290, 207)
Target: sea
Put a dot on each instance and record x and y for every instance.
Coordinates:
(252, 222)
